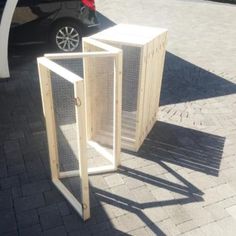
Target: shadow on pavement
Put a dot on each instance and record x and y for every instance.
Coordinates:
(184, 82)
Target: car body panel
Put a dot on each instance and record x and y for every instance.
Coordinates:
(33, 20)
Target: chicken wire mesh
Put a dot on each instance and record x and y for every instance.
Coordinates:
(99, 74)
(100, 89)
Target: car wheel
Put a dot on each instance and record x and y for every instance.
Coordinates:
(66, 37)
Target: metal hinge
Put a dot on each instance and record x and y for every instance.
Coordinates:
(77, 101)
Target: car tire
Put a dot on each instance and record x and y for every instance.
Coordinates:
(66, 36)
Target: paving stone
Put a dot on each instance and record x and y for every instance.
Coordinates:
(53, 196)
(35, 168)
(187, 226)
(50, 219)
(98, 182)
(128, 222)
(100, 227)
(232, 211)
(72, 223)
(114, 180)
(155, 214)
(7, 221)
(212, 229)
(144, 196)
(14, 158)
(27, 218)
(59, 231)
(28, 203)
(5, 200)
(194, 232)
(167, 227)
(217, 211)
(16, 169)
(9, 182)
(133, 183)
(36, 187)
(64, 208)
(3, 170)
(33, 230)
(139, 232)
(11, 146)
(228, 225)
(12, 233)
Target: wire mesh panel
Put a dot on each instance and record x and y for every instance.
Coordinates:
(65, 120)
(103, 102)
(63, 96)
(143, 59)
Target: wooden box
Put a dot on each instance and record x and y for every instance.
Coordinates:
(143, 61)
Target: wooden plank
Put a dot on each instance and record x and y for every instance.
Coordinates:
(91, 171)
(150, 85)
(78, 55)
(161, 68)
(101, 45)
(81, 139)
(140, 98)
(47, 101)
(59, 70)
(117, 105)
(70, 197)
(145, 107)
(88, 105)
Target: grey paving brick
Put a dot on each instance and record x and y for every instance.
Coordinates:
(9, 182)
(33, 230)
(16, 169)
(128, 222)
(12, 233)
(35, 168)
(11, 146)
(14, 158)
(50, 218)
(5, 200)
(139, 232)
(53, 196)
(217, 211)
(100, 227)
(7, 221)
(59, 231)
(29, 202)
(212, 229)
(143, 195)
(228, 225)
(72, 223)
(114, 180)
(64, 208)
(155, 214)
(36, 187)
(27, 218)
(3, 170)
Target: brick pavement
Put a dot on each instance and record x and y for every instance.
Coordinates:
(183, 179)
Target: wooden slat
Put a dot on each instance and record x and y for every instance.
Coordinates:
(81, 139)
(47, 101)
(69, 197)
(117, 107)
(140, 98)
(59, 70)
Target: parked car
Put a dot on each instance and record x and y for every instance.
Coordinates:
(59, 22)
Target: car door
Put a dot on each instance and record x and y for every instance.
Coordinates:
(32, 19)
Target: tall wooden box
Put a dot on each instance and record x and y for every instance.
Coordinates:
(143, 61)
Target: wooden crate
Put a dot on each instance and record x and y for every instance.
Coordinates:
(143, 61)
(65, 105)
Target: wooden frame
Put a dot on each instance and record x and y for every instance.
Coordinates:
(45, 66)
(151, 43)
